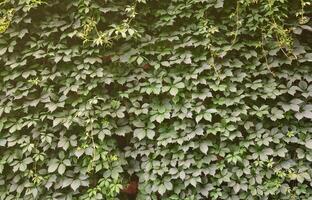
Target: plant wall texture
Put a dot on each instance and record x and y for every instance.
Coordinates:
(148, 100)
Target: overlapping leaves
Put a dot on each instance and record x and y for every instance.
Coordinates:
(198, 99)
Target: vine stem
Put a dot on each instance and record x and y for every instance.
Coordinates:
(265, 56)
(91, 120)
(237, 23)
(92, 139)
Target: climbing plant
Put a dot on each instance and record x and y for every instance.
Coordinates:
(148, 100)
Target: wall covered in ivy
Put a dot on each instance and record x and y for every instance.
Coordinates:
(155, 100)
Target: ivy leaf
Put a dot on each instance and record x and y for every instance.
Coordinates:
(174, 91)
(161, 189)
(57, 58)
(159, 118)
(52, 167)
(219, 4)
(198, 118)
(307, 114)
(150, 134)
(3, 142)
(140, 60)
(66, 182)
(75, 184)
(308, 144)
(180, 85)
(203, 147)
(168, 185)
(139, 133)
(236, 188)
(165, 63)
(182, 175)
(173, 171)
(61, 169)
(193, 182)
(207, 116)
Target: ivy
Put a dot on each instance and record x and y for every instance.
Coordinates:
(143, 99)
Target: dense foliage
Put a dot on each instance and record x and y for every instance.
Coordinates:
(189, 99)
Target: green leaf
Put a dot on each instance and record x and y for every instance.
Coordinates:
(198, 118)
(161, 189)
(165, 63)
(160, 118)
(66, 58)
(52, 167)
(174, 91)
(66, 182)
(75, 184)
(168, 185)
(139, 133)
(219, 4)
(150, 133)
(61, 169)
(182, 175)
(236, 188)
(57, 58)
(140, 60)
(2, 51)
(203, 147)
(180, 85)
(308, 144)
(207, 116)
